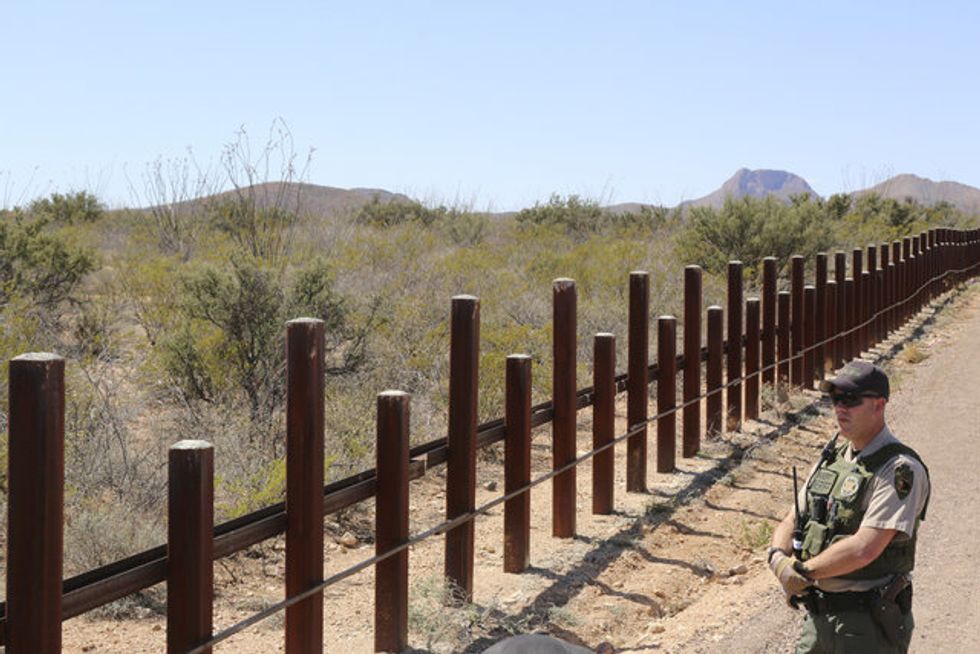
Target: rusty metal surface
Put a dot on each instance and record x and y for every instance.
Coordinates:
(783, 303)
(733, 395)
(752, 342)
(691, 430)
(713, 374)
(638, 356)
(666, 394)
(821, 330)
(769, 290)
(809, 334)
(840, 274)
(796, 325)
(517, 463)
(603, 423)
(857, 301)
(563, 431)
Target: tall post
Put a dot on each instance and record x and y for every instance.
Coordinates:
(769, 320)
(304, 482)
(796, 288)
(850, 337)
(830, 351)
(908, 278)
(884, 300)
(692, 361)
(809, 334)
(35, 503)
(820, 327)
(603, 423)
(517, 463)
(734, 367)
(391, 523)
(840, 274)
(190, 545)
(857, 266)
(871, 333)
(713, 424)
(563, 424)
(752, 358)
(666, 392)
(894, 319)
(866, 290)
(464, 369)
(638, 373)
(783, 333)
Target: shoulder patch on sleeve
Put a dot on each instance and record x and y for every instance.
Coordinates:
(904, 478)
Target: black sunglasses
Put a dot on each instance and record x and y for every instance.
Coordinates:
(850, 400)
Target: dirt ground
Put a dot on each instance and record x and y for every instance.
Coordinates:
(678, 569)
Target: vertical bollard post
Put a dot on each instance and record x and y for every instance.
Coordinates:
(840, 274)
(35, 503)
(638, 376)
(796, 286)
(563, 424)
(885, 297)
(783, 332)
(768, 320)
(666, 392)
(692, 361)
(809, 334)
(464, 364)
(821, 330)
(849, 322)
(866, 290)
(713, 425)
(190, 545)
(734, 367)
(871, 335)
(304, 482)
(857, 266)
(907, 278)
(896, 293)
(603, 422)
(752, 358)
(832, 296)
(391, 523)
(517, 463)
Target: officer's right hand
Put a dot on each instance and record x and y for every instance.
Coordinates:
(793, 582)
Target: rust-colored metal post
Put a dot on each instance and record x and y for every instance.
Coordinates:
(796, 288)
(820, 328)
(850, 336)
(692, 361)
(752, 358)
(734, 340)
(603, 422)
(304, 482)
(35, 503)
(713, 423)
(769, 320)
(840, 274)
(563, 424)
(833, 294)
(638, 373)
(857, 266)
(884, 297)
(871, 333)
(866, 290)
(783, 301)
(908, 272)
(809, 334)
(666, 392)
(190, 545)
(894, 316)
(517, 463)
(464, 375)
(391, 523)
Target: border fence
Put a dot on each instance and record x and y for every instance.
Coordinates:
(789, 337)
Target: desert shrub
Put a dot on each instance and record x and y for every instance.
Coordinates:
(67, 209)
(571, 214)
(389, 213)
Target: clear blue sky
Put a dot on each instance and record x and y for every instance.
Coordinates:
(496, 103)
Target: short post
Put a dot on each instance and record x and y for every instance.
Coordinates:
(304, 482)
(190, 545)
(796, 286)
(464, 368)
(713, 423)
(783, 334)
(734, 367)
(692, 361)
(638, 376)
(809, 334)
(752, 358)
(35, 503)
(391, 523)
(603, 422)
(563, 424)
(666, 392)
(820, 327)
(769, 320)
(517, 463)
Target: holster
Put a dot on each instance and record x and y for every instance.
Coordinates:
(893, 604)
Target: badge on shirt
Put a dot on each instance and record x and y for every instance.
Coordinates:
(849, 486)
(903, 480)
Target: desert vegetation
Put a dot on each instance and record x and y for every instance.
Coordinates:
(171, 314)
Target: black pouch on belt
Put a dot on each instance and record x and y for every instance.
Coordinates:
(890, 609)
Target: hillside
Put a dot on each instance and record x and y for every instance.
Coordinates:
(924, 190)
(757, 184)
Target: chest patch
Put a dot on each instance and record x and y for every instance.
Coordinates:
(823, 482)
(849, 486)
(904, 478)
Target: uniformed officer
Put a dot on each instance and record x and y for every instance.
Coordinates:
(848, 557)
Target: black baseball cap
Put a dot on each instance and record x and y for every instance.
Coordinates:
(858, 377)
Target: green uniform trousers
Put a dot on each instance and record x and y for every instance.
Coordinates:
(848, 632)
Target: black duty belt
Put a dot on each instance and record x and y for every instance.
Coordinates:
(819, 602)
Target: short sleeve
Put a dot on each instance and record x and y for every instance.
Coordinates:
(898, 494)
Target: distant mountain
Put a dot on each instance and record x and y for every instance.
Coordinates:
(927, 192)
(756, 184)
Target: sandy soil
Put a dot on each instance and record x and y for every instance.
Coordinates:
(677, 569)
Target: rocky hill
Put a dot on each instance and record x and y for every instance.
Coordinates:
(757, 184)
(927, 192)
